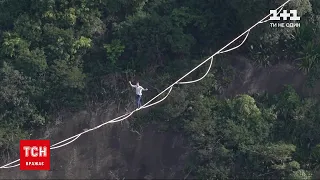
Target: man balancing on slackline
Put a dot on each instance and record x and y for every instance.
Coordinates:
(139, 90)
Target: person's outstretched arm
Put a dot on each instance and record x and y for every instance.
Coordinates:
(145, 89)
(132, 84)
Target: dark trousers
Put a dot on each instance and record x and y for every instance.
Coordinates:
(138, 101)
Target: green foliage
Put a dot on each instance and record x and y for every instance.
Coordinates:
(300, 174)
(18, 111)
(28, 28)
(218, 129)
(13, 45)
(56, 53)
(153, 39)
(308, 49)
(310, 57)
(302, 6)
(10, 135)
(274, 45)
(72, 77)
(16, 93)
(114, 50)
(83, 42)
(245, 137)
(316, 152)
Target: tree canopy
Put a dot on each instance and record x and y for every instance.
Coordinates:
(59, 54)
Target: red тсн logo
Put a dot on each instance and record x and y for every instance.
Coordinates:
(34, 154)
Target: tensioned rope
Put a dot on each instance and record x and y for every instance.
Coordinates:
(169, 88)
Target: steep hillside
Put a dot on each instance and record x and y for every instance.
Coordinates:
(118, 151)
(113, 151)
(241, 121)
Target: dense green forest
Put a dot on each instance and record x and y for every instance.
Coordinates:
(59, 54)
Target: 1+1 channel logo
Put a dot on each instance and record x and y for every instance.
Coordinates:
(34, 154)
(292, 15)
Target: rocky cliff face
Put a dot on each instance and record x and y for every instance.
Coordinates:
(249, 78)
(115, 151)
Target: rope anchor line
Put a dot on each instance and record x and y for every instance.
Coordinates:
(69, 140)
